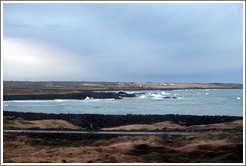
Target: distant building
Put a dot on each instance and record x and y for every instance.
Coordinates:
(163, 84)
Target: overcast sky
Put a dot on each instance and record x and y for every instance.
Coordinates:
(123, 42)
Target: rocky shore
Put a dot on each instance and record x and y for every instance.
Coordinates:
(81, 96)
(24, 90)
(98, 121)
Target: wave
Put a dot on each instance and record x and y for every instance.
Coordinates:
(117, 91)
(142, 96)
(34, 105)
(59, 100)
(88, 98)
(27, 101)
(64, 100)
(164, 93)
(157, 96)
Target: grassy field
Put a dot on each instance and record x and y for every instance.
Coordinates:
(24, 87)
(223, 144)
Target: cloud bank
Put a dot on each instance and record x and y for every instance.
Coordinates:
(124, 42)
(26, 59)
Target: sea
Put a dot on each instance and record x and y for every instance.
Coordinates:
(183, 102)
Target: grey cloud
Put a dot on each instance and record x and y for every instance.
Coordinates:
(123, 41)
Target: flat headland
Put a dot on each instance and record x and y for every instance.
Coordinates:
(25, 90)
(28, 87)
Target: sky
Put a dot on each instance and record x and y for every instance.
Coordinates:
(137, 42)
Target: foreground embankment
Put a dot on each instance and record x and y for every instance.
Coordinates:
(97, 121)
(221, 143)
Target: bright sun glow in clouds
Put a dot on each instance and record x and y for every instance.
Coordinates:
(24, 58)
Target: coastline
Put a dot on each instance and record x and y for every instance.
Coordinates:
(62, 87)
(24, 90)
(102, 121)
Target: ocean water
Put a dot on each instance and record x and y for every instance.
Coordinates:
(187, 102)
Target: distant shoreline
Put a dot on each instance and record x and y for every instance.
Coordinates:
(167, 89)
(15, 90)
(97, 94)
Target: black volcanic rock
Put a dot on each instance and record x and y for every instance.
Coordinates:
(81, 96)
(167, 97)
(101, 121)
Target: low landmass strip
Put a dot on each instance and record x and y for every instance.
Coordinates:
(20, 90)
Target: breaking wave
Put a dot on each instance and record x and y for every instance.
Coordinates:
(27, 101)
(164, 93)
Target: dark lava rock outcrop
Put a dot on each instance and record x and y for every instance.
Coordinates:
(101, 121)
(167, 97)
(81, 96)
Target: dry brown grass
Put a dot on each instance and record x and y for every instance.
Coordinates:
(11, 122)
(21, 88)
(130, 149)
(223, 144)
(156, 126)
(170, 126)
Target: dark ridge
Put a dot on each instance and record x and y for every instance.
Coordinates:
(81, 96)
(97, 121)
